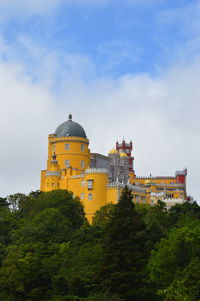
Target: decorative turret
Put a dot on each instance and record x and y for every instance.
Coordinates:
(127, 149)
(54, 163)
(54, 157)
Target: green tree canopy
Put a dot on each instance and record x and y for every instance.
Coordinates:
(103, 215)
(175, 259)
(121, 270)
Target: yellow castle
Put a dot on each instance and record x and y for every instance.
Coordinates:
(97, 179)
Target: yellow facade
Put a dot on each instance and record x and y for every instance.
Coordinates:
(69, 167)
(169, 186)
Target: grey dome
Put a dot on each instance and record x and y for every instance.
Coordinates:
(70, 128)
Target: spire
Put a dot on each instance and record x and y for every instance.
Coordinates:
(70, 116)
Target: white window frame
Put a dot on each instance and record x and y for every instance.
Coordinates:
(90, 184)
(67, 163)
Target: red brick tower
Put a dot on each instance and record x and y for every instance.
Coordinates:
(181, 176)
(126, 148)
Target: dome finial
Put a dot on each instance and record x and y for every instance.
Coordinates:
(70, 116)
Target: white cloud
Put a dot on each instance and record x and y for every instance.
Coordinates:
(27, 114)
(159, 114)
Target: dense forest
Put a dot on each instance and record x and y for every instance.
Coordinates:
(49, 252)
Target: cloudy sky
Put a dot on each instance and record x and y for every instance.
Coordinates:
(126, 68)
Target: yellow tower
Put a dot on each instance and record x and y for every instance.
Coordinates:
(68, 155)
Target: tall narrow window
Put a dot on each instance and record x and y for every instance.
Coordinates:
(67, 164)
(53, 148)
(90, 196)
(82, 147)
(82, 196)
(82, 163)
(90, 184)
(67, 146)
(83, 183)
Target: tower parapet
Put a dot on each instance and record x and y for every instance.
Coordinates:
(53, 173)
(96, 170)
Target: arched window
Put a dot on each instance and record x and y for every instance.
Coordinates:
(90, 196)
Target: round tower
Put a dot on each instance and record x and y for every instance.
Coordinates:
(70, 144)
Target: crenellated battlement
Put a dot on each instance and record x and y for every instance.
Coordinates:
(78, 176)
(150, 178)
(122, 185)
(181, 172)
(97, 171)
(53, 173)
